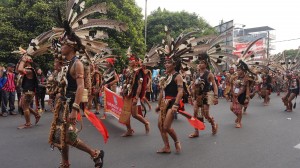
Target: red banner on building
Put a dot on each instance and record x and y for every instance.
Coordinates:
(113, 103)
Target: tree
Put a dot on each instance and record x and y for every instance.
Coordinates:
(289, 54)
(20, 21)
(177, 22)
(126, 11)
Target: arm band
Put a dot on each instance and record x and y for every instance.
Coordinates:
(176, 104)
(75, 106)
(180, 86)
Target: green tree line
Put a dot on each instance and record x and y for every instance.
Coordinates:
(23, 20)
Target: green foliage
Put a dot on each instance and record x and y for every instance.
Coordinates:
(289, 54)
(22, 20)
(128, 12)
(177, 22)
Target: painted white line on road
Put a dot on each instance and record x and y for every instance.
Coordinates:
(297, 146)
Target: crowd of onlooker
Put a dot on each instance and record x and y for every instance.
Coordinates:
(10, 87)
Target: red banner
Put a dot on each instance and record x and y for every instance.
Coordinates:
(113, 103)
(256, 48)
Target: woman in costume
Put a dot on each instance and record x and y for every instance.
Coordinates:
(96, 82)
(133, 92)
(170, 95)
(240, 92)
(293, 91)
(266, 86)
(110, 77)
(178, 55)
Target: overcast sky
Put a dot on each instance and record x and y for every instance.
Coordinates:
(282, 15)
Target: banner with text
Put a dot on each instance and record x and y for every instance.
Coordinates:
(113, 103)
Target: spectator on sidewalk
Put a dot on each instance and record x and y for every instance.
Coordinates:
(2, 82)
(41, 90)
(9, 91)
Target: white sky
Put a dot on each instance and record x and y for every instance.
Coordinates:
(282, 15)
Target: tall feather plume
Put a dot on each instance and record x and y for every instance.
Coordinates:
(100, 8)
(152, 58)
(101, 23)
(99, 59)
(70, 8)
(80, 26)
(59, 18)
(250, 45)
(212, 46)
(187, 46)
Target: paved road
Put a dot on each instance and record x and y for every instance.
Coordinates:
(266, 140)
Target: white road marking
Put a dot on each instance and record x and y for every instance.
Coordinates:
(297, 146)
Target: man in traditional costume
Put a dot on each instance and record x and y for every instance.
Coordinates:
(204, 89)
(63, 130)
(29, 84)
(204, 83)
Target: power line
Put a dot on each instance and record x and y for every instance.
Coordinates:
(286, 40)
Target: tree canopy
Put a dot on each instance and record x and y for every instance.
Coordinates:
(177, 22)
(21, 21)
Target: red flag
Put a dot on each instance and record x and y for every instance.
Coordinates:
(79, 118)
(193, 121)
(97, 123)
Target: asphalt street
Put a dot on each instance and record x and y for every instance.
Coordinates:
(266, 140)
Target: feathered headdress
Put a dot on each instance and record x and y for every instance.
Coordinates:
(213, 51)
(77, 29)
(187, 46)
(131, 56)
(100, 60)
(247, 59)
(152, 58)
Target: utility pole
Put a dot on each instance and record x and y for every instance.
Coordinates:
(146, 23)
(268, 45)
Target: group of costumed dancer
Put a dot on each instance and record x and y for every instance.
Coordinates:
(79, 78)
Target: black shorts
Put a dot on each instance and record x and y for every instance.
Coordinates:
(171, 102)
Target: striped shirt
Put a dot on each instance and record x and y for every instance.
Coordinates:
(10, 83)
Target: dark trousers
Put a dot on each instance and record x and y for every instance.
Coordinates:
(155, 92)
(1, 97)
(8, 98)
(41, 98)
(148, 96)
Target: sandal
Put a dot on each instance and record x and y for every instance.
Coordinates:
(236, 120)
(147, 127)
(238, 125)
(64, 165)
(194, 135)
(164, 151)
(98, 159)
(128, 133)
(215, 129)
(37, 118)
(178, 146)
(25, 126)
